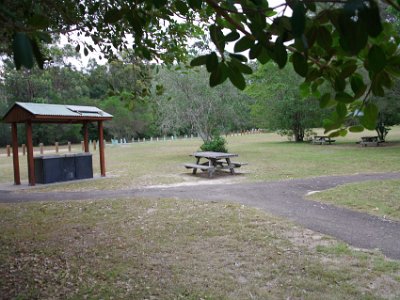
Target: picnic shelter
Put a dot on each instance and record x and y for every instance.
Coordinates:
(31, 113)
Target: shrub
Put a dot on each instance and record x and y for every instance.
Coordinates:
(217, 144)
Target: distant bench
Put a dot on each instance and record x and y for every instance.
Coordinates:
(321, 140)
(370, 141)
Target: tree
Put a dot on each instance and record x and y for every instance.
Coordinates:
(325, 40)
(189, 106)
(389, 111)
(279, 105)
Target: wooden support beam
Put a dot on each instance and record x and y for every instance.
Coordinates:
(86, 137)
(29, 146)
(14, 133)
(101, 149)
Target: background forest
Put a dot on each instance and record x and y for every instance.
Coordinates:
(150, 100)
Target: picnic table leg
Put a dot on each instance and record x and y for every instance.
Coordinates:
(228, 161)
(212, 165)
(197, 162)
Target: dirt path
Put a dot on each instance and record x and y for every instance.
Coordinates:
(283, 198)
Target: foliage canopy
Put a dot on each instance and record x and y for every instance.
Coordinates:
(345, 43)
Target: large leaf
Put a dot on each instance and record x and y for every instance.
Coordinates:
(368, 120)
(243, 44)
(236, 77)
(113, 15)
(298, 19)
(300, 64)
(22, 50)
(376, 59)
(198, 61)
(343, 97)
(217, 37)
(357, 85)
(280, 54)
(341, 110)
(219, 75)
(211, 61)
(356, 128)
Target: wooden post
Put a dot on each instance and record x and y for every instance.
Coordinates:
(14, 133)
(56, 144)
(69, 146)
(94, 145)
(101, 149)
(23, 149)
(85, 137)
(8, 151)
(29, 144)
(41, 148)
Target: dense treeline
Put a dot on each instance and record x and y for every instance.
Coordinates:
(148, 100)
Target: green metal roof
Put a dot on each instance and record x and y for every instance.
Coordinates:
(63, 110)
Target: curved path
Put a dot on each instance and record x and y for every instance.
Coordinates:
(283, 198)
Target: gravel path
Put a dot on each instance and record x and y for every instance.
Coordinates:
(283, 198)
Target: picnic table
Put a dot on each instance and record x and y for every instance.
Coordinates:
(213, 161)
(321, 140)
(370, 141)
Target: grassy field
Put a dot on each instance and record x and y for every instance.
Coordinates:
(269, 157)
(169, 249)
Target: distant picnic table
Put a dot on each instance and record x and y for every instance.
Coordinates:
(370, 141)
(213, 161)
(322, 140)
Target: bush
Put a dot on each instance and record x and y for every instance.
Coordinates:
(217, 144)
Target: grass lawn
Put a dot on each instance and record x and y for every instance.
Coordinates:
(381, 198)
(269, 157)
(169, 249)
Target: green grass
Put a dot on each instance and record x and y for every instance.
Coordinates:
(169, 249)
(269, 157)
(381, 198)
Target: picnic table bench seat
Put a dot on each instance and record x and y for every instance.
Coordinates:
(322, 140)
(196, 166)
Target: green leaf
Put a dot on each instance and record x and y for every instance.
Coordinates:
(198, 61)
(348, 69)
(300, 64)
(219, 75)
(357, 85)
(298, 19)
(113, 15)
(368, 120)
(356, 128)
(242, 68)
(324, 100)
(343, 97)
(181, 7)
(376, 59)
(38, 54)
(264, 56)
(236, 78)
(280, 54)
(212, 61)
(239, 57)
(243, 44)
(22, 50)
(324, 38)
(195, 4)
(217, 37)
(232, 36)
(340, 84)
(341, 110)
(373, 19)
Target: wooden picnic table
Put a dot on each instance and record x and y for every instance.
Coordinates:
(214, 161)
(322, 139)
(370, 141)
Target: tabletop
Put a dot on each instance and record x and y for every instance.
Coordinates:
(214, 155)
